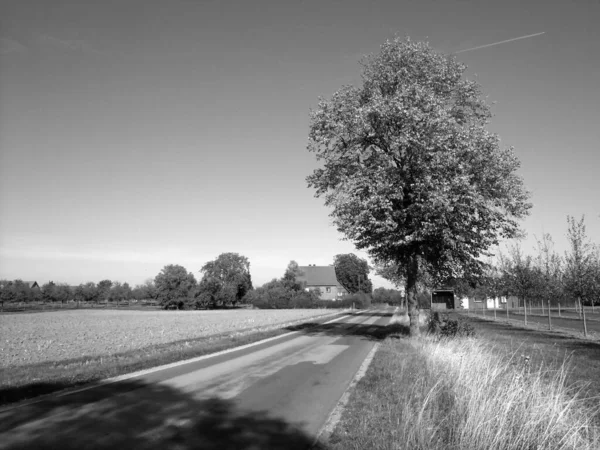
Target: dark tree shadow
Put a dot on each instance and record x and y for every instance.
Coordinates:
(370, 332)
(135, 415)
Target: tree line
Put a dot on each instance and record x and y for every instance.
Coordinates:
(225, 282)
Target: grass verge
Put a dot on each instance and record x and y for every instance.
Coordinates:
(470, 393)
(27, 382)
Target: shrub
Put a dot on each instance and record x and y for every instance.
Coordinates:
(447, 327)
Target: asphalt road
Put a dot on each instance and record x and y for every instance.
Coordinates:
(273, 395)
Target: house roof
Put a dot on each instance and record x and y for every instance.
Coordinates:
(31, 283)
(318, 276)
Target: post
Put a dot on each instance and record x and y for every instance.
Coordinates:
(549, 317)
(507, 309)
(494, 313)
(525, 309)
(584, 322)
(543, 307)
(558, 309)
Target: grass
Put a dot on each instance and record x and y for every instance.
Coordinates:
(30, 381)
(490, 392)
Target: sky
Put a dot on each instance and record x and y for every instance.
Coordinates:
(135, 134)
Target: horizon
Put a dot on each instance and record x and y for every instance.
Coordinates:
(146, 134)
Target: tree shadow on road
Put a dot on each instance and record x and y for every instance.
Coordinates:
(136, 415)
(370, 332)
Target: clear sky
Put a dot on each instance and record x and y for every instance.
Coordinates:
(135, 134)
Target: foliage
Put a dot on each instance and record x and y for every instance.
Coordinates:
(173, 284)
(290, 277)
(103, 290)
(389, 296)
(409, 170)
(8, 292)
(522, 277)
(276, 294)
(353, 273)
(444, 326)
(120, 292)
(225, 280)
(580, 264)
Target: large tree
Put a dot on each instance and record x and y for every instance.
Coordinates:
(353, 273)
(409, 170)
(173, 285)
(226, 279)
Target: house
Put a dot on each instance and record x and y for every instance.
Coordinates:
(490, 303)
(323, 278)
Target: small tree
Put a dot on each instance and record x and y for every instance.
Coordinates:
(63, 293)
(103, 290)
(579, 263)
(49, 292)
(353, 273)
(409, 169)
(290, 277)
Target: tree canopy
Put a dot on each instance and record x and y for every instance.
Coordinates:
(173, 284)
(353, 273)
(226, 279)
(409, 169)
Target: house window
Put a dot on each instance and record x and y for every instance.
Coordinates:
(327, 289)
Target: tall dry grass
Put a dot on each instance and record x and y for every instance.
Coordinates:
(456, 394)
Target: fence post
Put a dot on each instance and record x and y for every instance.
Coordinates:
(507, 309)
(549, 317)
(525, 309)
(543, 307)
(558, 309)
(494, 313)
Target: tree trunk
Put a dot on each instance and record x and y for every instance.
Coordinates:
(411, 295)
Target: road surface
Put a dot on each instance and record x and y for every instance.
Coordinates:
(276, 394)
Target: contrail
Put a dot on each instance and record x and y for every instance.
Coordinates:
(501, 42)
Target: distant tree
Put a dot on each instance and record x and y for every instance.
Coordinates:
(174, 285)
(409, 169)
(225, 280)
(389, 296)
(89, 291)
(550, 266)
(49, 292)
(353, 273)
(79, 293)
(63, 293)
(290, 277)
(579, 279)
(120, 292)
(22, 291)
(7, 292)
(521, 275)
(103, 290)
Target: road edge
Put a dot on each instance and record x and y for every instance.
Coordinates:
(334, 418)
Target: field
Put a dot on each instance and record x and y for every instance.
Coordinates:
(36, 338)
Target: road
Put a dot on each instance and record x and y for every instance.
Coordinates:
(593, 326)
(276, 394)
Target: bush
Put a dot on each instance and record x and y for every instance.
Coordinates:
(450, 328)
